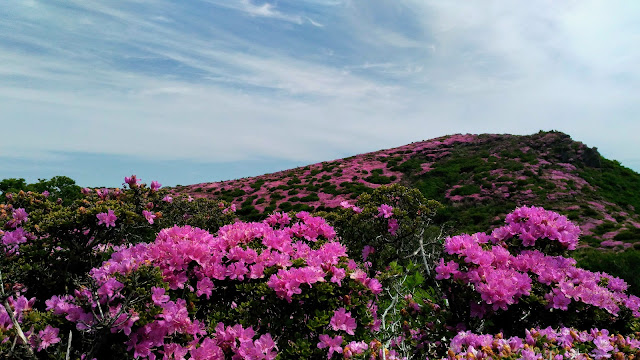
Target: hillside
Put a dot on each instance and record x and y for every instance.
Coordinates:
(479, 178)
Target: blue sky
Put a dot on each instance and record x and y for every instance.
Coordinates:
(194, 91)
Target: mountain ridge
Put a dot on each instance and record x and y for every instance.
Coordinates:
(479, 178)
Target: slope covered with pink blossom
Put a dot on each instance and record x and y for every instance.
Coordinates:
(479, 178)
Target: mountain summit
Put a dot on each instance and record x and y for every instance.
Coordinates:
(479, 178)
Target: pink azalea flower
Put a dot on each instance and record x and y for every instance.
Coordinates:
(149, 216)
(342, 320)
(205, 287)
(168, 199)
(133, 181)
(393, 226)
(385, 211)
(48, 337)
(20, 215)
(158, 296)
(366, 251)
(102, 193)
(355, 348)
(373, 285)
(332, 343)
(108, 218)
(155, 185)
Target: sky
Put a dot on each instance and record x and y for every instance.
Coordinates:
(194, 91)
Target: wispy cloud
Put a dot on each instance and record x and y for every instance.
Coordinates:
(267, 10)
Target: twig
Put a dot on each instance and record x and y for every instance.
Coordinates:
(18, 328)
(13, 319)
(68, 356)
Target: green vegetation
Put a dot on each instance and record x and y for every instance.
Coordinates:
(409, 166)
(378, 179)
(466, 190)
(58, 187)
(628, 235)
(605, 227)
(310, 197)
(616, 183)
(620, 264)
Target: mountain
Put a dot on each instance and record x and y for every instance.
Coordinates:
(479, 178)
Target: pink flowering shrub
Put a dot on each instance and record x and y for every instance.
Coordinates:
(508, 279)
(48, 246)
(283, 286)
(51, 244)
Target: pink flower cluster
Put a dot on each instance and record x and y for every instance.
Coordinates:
(132, 181)
(563, 343)
(342, 320)
(18, 216)
(108, 219)
(502, 279)
(173, 320)
(12, 239)
(149, 216)
(385, 211)
(533, 223)
(19, 306)
(239, 252)
(155, 186)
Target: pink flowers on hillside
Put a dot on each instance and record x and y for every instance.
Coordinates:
(108, 219)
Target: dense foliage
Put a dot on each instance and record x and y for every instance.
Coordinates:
(58, 187)
(138, 272)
